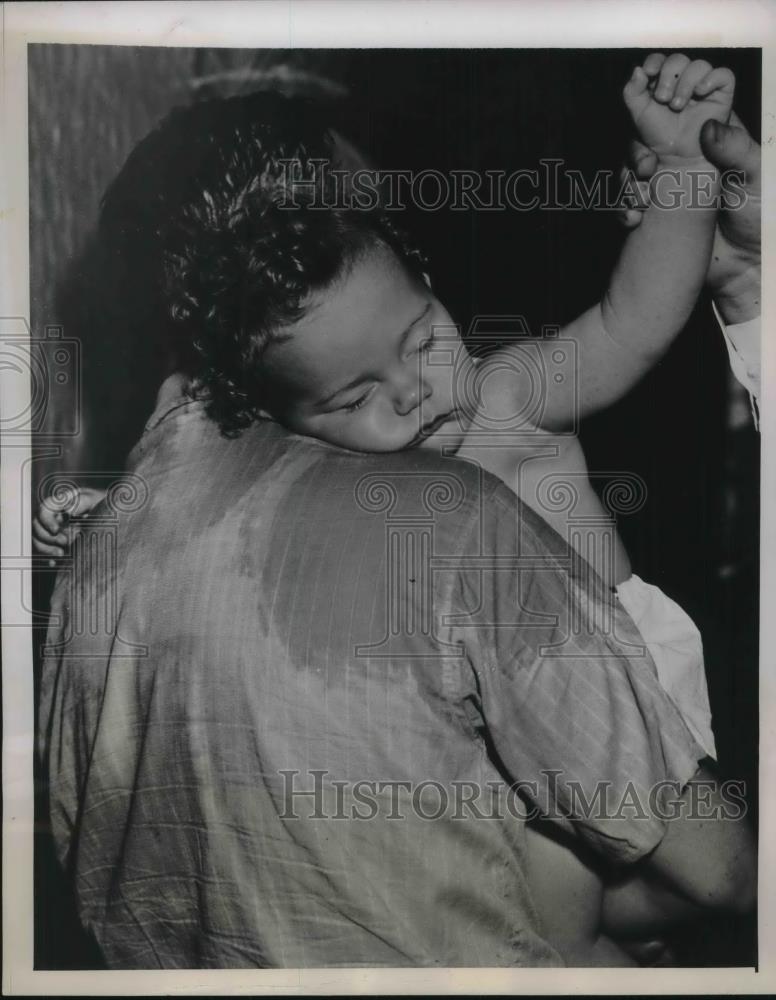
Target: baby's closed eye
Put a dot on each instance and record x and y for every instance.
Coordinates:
(356, 404)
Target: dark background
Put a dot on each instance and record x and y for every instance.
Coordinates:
(685, 430)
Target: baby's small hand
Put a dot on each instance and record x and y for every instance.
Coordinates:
(50, 536)
(670, 99)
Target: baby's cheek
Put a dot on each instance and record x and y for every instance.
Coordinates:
(384, 430)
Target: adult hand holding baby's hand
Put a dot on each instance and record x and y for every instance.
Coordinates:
(671, 98)
(734, 271)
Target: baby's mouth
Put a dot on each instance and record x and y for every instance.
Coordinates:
(432, 427)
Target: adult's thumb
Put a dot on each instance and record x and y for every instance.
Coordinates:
(730, 147)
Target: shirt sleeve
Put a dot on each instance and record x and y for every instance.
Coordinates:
(743, 344)
(570, 701)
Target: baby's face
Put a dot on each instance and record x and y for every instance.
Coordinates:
(373, 365)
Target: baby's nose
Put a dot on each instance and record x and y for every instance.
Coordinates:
(410, 393)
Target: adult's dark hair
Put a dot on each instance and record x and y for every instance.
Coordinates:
(226, 217)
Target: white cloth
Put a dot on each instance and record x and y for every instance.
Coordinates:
(674, 641)
(743, 344)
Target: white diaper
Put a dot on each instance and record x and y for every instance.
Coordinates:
(675, 644)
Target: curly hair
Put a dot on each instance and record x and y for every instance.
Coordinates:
(217, 214)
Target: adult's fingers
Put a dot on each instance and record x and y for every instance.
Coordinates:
(630, 218)
(643, 159)
(730, 147)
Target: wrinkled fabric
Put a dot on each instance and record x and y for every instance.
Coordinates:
(675, 643)
(279, 610)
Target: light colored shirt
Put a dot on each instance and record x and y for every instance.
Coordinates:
(675, 643)
(269, 615)
(743, 342)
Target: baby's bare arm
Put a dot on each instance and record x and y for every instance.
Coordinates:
(663, 264)
(547, 471)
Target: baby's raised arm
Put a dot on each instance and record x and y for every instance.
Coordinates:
(662, 266)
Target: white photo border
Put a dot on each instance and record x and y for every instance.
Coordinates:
(660, 24)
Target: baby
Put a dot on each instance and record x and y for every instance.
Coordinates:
(366, 358)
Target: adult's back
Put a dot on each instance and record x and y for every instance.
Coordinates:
(394, 634)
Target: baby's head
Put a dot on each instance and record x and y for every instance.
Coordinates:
(281, 297)
(372, 362)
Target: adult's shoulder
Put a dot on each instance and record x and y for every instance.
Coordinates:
(442, 483)
(464, 500)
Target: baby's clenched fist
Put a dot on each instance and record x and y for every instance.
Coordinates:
(671, 98)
